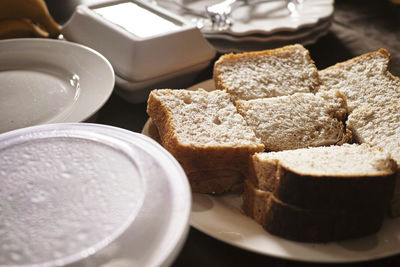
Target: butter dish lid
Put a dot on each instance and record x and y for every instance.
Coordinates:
(80, 194)
(140, 39)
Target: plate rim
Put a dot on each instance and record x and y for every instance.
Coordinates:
(79, 112)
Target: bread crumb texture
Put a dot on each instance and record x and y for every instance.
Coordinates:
(379, 126)
(365, 80)
(203, 119)
(347, 160)
(268, 73)
(296, 121)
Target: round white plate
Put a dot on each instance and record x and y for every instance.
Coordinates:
(264, 18)
(159, 222)
(47, 81)
(222, 218)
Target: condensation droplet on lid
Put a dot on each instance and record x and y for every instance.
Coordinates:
(29, 185)
(81, 236)
(15, 256)
(39, 197)
(66, 175)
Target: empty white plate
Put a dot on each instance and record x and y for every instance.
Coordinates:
(48, 81)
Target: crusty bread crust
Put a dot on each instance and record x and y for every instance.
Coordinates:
(201, 159)
(343, 64)
(216, 182)
(324, 192)
(367, 109)
(212, 181)
(308, 225)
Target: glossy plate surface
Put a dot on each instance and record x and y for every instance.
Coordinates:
(49, 81)
(102, 176)
(222, 218)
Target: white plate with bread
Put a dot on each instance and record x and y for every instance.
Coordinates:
(322, 178)
(223, 218)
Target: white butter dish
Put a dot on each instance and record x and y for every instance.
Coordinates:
(141, 40)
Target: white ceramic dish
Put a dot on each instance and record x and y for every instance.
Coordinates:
(117, 34)
(153, 233)
(222, 218)
(264, 18)
(48, 81)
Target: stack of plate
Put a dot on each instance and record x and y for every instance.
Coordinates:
(268, 24)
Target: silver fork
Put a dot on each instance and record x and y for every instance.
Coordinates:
(220, 13)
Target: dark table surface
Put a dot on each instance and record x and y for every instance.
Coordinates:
(359, 26)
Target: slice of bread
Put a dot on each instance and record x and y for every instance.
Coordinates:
(269, 73)
(365, 80)
(372, 95)
(205, 133)
(335, 177)
(380, 126)
(297, 121)
(308, 225)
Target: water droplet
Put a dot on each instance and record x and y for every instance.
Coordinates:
(39, 197)
(29, 185)
(26, 156)
(15, 256)
(3, 230)
(57, 254)
(81, 236)
(66, 175)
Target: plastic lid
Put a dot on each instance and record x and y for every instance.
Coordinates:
(79, 193)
